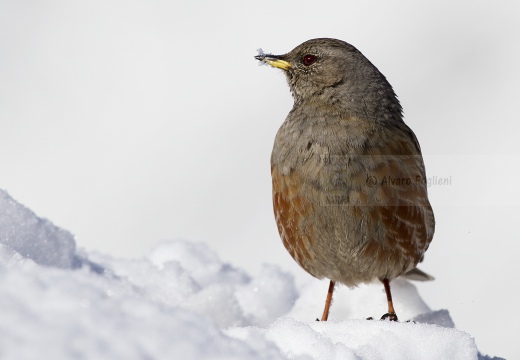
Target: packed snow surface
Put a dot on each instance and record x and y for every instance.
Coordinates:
(182, 302)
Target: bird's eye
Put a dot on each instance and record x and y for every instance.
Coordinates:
(309, 60)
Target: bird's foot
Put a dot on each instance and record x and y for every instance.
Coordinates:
(389, 316)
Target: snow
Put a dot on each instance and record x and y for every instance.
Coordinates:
(33, 237)
(182, 302)
(261, 52)
(364, 339)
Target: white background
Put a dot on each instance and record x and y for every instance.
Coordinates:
(130, 122)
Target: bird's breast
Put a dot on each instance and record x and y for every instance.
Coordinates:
(346, 194)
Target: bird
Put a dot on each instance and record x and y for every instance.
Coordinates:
(349, 186)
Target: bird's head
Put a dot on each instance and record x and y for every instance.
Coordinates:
(335, 72)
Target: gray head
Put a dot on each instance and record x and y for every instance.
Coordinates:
(335, 72)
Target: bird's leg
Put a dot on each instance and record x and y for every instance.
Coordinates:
(391, 315)
(325, 315)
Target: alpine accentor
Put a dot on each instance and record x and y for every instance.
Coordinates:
(349, 185)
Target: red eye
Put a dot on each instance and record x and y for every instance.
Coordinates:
(309, 60)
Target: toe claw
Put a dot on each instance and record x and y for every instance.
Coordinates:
(389, 316)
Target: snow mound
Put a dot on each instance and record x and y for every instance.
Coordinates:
(182, 302)
(79, 314)
(362, 339)
(33, 237)
(190, 275)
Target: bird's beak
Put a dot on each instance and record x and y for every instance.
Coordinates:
(274, 60)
